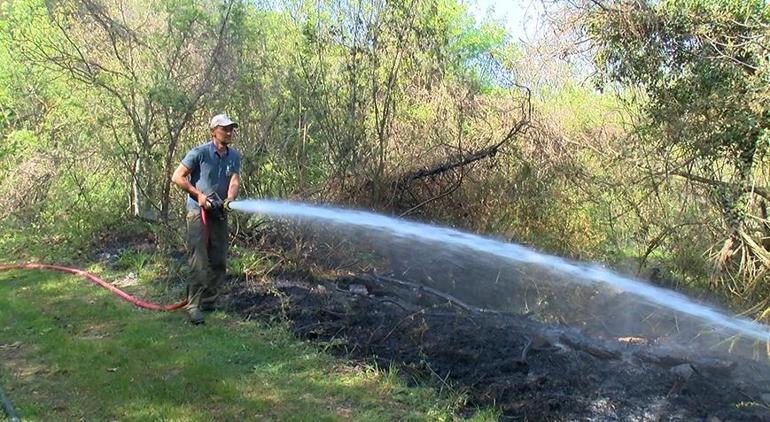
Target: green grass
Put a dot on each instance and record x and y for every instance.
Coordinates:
(73, 351)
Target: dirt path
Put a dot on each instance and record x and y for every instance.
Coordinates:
(528, 370)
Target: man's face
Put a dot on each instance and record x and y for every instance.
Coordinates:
(223, 134)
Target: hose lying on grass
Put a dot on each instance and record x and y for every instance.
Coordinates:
(99, 282)
(9, 410)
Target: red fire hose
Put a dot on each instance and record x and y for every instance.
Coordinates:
(205, 227)
(6, 404)
(9, 410)
(99, 282)
(96, 280)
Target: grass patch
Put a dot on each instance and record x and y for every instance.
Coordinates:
(70, 351)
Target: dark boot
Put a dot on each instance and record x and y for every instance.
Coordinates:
(195, 316)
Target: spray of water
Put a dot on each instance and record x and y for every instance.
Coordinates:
(576, 272)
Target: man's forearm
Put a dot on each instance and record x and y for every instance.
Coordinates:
(232, 191)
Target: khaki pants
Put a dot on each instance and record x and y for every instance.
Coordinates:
(208, 260)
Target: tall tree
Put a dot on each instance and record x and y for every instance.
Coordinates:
(703, 69)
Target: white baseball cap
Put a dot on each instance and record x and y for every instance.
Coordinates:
(221, 120)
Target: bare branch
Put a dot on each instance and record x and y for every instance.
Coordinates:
(462, 159)
(761, 191)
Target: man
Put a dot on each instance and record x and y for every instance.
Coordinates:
(208, 169)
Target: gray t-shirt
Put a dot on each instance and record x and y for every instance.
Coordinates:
(209, 172)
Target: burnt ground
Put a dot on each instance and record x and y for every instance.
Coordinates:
(526, 369)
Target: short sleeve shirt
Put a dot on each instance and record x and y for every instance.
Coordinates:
(210, 172)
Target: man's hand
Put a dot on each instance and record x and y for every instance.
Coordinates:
(216, 206)
(214, 202)
(202, 200)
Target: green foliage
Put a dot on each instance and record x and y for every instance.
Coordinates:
(458, 41)
(250, 263)
(132, 260)
(17, 143)
(703, 66)
(698, 70)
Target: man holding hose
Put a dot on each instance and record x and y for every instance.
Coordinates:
(208, 173)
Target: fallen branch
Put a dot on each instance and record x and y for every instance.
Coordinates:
(449, 298)
(462, 159)
(437, 197)
(591, 349)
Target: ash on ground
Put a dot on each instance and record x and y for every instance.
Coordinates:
(527, 369)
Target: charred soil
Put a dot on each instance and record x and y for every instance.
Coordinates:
(526, 369)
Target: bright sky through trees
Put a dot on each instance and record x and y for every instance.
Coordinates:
(521, 18)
